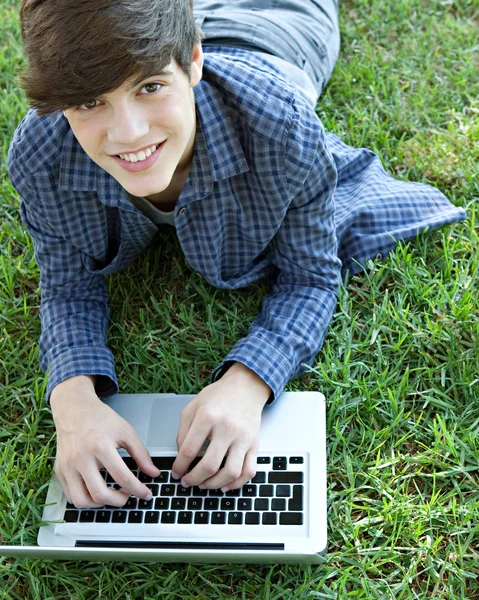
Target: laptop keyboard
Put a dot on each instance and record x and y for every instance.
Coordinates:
(273, 497)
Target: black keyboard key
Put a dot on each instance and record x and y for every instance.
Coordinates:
(145, 504)
(263, 460)
(217, 492)
(260, 477)
(198, 492)
(261, 504)
(168, 516)
(185, 516)
(102, 516)
(279, 463)
(163, 477)
(162, 503)
(269, 518)
(164, 463)
(212, 503)
(195, 503)
(154, 487)
(252, 518)
(288, 477)
(70, 506)
(71, 516)
(278, 504)
(144, 478)
(249, 490)
(168, 489)
(296, 460)
(202, 517)
(87, 516)
(266, 491)
(228, 504)
(182, 491)
(178, 503)
(235, 518)
(174, 479)
(283, 491)
(296, 502)
(131, 503)
(244, 504)
(218, 518)
(135, 516)
(291, 518)
(233, 493)
(130, 462)
(119, 516)
(152, 516)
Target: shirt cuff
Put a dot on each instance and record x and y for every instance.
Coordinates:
(84, 360)
(265, 360)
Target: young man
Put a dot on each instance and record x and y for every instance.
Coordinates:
(134, 125)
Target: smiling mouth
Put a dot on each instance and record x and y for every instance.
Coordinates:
(138, 156)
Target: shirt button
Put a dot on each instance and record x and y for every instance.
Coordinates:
(181, 211)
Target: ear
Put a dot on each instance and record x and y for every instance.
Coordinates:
(196, 65)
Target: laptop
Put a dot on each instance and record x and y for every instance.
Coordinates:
(279, 516)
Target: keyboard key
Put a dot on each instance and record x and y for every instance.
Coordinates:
(263, 460)
(296, 502)
(182, 491)
(164, 463)
(288, 477)
(211, 503)
(283, 491)
(145, 504)
(102, 516)
(168, 516)
(278, 504)
(135, 516)
(119, 516)
(296, 460)
(162, 503)
(168, 489)
(144, 478)
(202, 517)
(291, 518)
(131, 503)
(198, 492)
(178, 503)
(235, 518)
(279, 463)
(269, 518)
(266, 491)
(218, 518)
(249, 490)
(87, 516)
(185, 516)
(163, 477)
(261, 504)
(228, 504)
(233, 493)
(244, 504)
(195, 503)
(260, 477)
(129, 462)
(154, 487)
(252, 518)
(71, 516)
(216, 492)
(152, 516)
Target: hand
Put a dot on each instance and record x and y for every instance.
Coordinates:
(228, 413)
(88, 435)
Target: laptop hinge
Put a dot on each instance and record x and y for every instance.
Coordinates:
(179, 545)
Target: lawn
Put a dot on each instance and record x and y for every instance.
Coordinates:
(399, 367)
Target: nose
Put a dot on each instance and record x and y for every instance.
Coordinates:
(127, 124)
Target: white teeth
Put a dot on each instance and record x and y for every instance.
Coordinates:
(143, 155)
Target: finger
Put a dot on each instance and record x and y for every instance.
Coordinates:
(194, 440)
(249, 471)
(232, 470)
(140, 455)
(80, 494)
(64, 484)
(186, 418)
(209, 464)
(122, 475)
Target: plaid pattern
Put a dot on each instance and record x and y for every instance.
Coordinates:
(270, 194)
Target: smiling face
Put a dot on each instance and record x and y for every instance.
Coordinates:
(143, 132)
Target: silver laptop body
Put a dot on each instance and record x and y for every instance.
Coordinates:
(289, 491)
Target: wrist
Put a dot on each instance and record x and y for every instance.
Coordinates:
(69, 387)
(246, 376)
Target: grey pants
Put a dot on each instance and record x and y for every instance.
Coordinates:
(304, 33)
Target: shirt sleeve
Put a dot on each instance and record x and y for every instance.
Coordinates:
(290, 329)
(74, 308)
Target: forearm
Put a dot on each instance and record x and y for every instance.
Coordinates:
(241, 375)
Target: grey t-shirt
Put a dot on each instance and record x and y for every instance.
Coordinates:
(152, 212)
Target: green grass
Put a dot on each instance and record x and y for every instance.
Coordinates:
(399, 367)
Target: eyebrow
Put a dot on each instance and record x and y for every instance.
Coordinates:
(163, 73)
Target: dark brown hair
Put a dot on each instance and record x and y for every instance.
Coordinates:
(78, 50)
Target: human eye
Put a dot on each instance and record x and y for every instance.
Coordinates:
(89, 105)
(151, 88)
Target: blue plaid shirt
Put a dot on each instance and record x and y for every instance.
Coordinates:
(270, 194)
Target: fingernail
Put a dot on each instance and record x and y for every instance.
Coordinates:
(175, 475)
(202, 487)
(185, 485)
(149, 497)
(225, 489)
